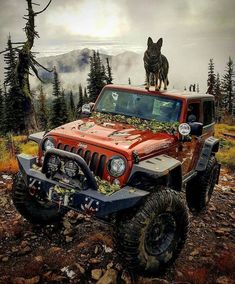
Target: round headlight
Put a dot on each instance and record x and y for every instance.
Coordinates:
(48, 144)
(53, 164)
(71, 168)
(116, 166)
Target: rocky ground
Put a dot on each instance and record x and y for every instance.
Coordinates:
(83, 251)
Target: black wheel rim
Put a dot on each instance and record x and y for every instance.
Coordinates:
(160, 235)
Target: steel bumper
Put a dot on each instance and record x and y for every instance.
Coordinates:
(89, 201)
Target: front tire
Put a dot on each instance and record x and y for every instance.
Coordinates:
(199, 190)
(152, 239)
(35, 211)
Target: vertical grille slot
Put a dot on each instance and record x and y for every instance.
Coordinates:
(94, 162)
(66, 148)
(73, 150)
(60, 146)
(87, 156)
(100, 168)
(80, 152)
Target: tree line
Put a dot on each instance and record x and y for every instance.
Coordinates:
(222, 88)
(50, 111)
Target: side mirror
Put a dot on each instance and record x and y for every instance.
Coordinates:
(87, 108)
(196, 128)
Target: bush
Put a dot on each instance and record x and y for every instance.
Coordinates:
(226, 154)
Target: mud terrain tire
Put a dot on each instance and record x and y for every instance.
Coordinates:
(36, 212)
(199, 190)
(152, 238)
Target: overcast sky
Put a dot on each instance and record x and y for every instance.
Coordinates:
(193, 31)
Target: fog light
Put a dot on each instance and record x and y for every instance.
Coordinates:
(53, 164)
(71, 168)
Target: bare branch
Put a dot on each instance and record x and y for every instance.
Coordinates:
(36, 72)
(36, 4)
(36, 13)
(7, 49)
(40, 65)
(20, 42)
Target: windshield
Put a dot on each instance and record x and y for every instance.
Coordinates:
(139, 105)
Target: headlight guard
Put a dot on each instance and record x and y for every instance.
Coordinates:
(116, 166)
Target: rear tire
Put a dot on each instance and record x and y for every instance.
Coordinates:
(35, 211)
(199, 190)
(152, 239)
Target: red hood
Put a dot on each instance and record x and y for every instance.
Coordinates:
(118, 137)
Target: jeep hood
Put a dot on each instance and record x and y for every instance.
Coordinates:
(118, 137)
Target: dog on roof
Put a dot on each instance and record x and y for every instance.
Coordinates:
(156, 65)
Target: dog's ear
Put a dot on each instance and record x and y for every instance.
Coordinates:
(159, 42)
(150, 41)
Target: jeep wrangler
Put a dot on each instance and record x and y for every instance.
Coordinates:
(129, 159)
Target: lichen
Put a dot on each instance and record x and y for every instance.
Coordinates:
(138, 123)
(106, 187)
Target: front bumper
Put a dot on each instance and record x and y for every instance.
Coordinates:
(88, 201)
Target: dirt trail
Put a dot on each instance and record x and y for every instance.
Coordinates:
(83, 251)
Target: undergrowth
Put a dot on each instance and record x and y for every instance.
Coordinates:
(11, 146)
(226, 154)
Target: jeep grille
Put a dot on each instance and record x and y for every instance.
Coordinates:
(95, 161)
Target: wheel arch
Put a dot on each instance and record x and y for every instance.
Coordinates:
(159, 170)
(210, 147)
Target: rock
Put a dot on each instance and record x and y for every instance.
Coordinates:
(80, 268)
(24, 250)
(110, 265)
(110, 277)
(224, 280)
(6, 177)
(194, 252)
(68, 239)
(70, 273)
(21, 280)
(67, 232)
(5, 259)
(126, 277)
(24, 244)
(39, 258)
(67, 224)
(107, 249)
(118, 266)
(94, 260)
(53, 250)
(96, 274)
(96, 250)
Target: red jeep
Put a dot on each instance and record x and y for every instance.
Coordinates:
(128, 160)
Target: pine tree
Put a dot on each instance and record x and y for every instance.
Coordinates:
(109, 77)
(218, 93)
(1, 112)
(72, 110)
(80, 101)
(42, 111)
(56, 109)
(96, 78)
(85, 97)
(228, 87)
(129, 81)
(63, 109)
(211, 78)
(14, 119)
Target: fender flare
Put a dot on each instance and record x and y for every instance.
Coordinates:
(160, 166)
(210, 146)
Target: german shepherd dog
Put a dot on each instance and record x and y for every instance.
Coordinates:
(155, 64)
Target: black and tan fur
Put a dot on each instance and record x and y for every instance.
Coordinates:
(156, 64)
